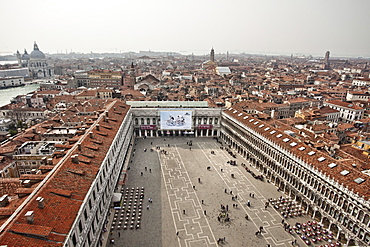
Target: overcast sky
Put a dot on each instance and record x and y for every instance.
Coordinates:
(251, 26)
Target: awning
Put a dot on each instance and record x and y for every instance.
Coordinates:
(117, 197)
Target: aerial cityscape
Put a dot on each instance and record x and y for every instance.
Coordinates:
(148, 127)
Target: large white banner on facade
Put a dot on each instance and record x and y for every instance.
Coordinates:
(180, 120)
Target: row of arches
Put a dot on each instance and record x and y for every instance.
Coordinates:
(322, 202)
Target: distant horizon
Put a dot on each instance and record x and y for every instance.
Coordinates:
(266, 27)
(196, 53)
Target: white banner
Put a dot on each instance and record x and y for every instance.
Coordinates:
(180, 120)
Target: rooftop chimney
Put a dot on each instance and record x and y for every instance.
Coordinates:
(75, 159)
(43, 160)
(79, 147)
(4, 200)
(29, 217)
(50, 161)
(27, 183)
(40, 202)
(91, 135)
(97, 127)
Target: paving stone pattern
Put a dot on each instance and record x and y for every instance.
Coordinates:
(179, 180)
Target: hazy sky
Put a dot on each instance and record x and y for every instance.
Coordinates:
(252, 26)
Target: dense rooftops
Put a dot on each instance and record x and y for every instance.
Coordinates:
(346, 175)
(168, 104)
(65, 187)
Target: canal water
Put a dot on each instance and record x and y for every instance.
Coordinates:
(7, 94)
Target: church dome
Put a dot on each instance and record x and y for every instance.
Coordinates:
(36, 53)
(25, 56)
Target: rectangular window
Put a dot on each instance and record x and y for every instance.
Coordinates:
(89, 238)
(85, 215)
(80, 226)
(74, 240)
(216, 120)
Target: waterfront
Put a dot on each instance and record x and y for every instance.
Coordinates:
(7, 94)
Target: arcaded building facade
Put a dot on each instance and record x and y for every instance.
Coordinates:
(70, 204)
(333, 192)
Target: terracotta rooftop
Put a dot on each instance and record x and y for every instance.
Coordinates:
(316, 159)
(345, 104)
(65, 189)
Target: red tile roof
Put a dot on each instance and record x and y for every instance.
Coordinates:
(65, 189)
(363, 189)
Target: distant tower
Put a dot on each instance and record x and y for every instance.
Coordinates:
(132, 76)
(326, 60)
(19, 59)
(212, 56)
(227, 56)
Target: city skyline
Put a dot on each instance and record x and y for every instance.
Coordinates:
(263, 27)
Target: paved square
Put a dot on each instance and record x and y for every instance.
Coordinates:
(176, 178)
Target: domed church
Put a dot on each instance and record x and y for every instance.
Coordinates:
(36, 63)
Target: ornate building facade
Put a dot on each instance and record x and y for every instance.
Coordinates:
(333, 192)
(36, 63)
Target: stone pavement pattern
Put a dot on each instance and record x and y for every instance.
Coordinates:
(177, 205)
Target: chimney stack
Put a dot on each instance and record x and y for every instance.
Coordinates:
(97, 127)
(27, 183)
(79, 147)
(4, 200)
(75, 159)
(43, 161)
(29, 217)
(91, 135)
(40, 202)
(50, 161)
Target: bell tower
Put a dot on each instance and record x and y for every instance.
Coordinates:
(326, 60)
(132, 76)
(212, 55)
